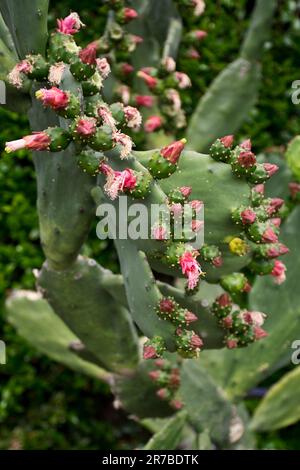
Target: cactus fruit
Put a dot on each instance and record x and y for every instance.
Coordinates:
(83, 154)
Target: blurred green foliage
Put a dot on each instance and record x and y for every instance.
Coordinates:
(43, 405)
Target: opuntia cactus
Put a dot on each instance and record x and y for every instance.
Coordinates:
(140, 329)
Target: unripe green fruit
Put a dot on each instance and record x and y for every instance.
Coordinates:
(63, 48)
(81, 71)
(89, 162)
(60, 139)
(102, 140)
(160, 167)
(93, 85)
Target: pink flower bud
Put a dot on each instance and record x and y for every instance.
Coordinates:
(162, 393)
(69, 25)
(196, 205)
(276, 221)
(153, 123)
(231, 343)
(196, 342)
(150, 81)
(183, 79)
(227, 140)
(190, 268)
(227, 322)
(193, 54)
(270, 168)
(159, 233)
(154, 375)
(129, 14)
(160, 363)
(144, 100)
(186, 191)
(277, 250)
(173, 151)
(38, 141)
(149, 352)
(54, 98)
(278, 272)
(294, 189)
(167, 305)
(176, 404)
(86, 127)
(247, 159)
(269, 236)
(224, 300)
(200, 34)
(127, 69)
(246, 145)
(133, 117)
(259, 333)
(190, 318)
(197, 225)
(259, 188)
(275, 205)
(247, 287)
(218, 261)
(248, 216)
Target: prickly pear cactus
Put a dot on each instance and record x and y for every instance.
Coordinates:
(215, 231)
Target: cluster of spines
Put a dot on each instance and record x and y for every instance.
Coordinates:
(242, 327)
(166, 377)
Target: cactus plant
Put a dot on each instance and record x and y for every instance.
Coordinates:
(82, 141)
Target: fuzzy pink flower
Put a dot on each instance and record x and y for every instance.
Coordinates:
(149, 352)
(254, 318)
(56, 73)
(133, 117)
(278, 272)
(105, 114)
(69, 25)
(103, 67)
(183, 79)
(153, 123)
(117, 181)
(144, 100)
(15, 76)
(86, 127)
(88, 55)
(174, 97)
(124, 92)
(173, 151)
(54, 98)
(37, 141)
(125, 143)
(190, 268)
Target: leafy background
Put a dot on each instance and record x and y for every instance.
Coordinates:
(42, 404)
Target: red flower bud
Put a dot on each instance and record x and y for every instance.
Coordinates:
(89, 54)
(186, 191)
(190, 317)
(269, 236)
(246, 145)
(144, 100)
(294, 189)
(248, 216)
(167, 305)
(259, 333)
(247, 159)
(153, 123)
(270, 168)
(227, 141)
(196, 342)
(173, 151)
